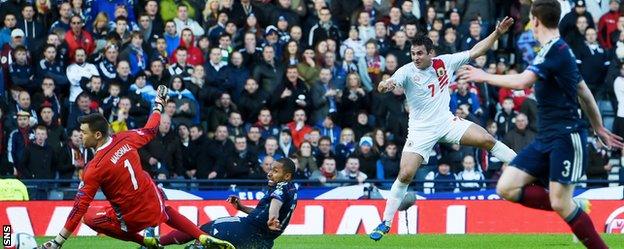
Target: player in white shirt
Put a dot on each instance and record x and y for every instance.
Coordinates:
(426, 82)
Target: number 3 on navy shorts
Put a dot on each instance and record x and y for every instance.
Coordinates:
(568, 158)
(566, 168)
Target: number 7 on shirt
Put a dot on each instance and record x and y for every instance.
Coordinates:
(432, 87)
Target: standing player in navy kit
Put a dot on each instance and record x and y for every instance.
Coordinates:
(263, 224)
(558, 154)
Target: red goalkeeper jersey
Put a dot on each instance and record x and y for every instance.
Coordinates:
(116, 169)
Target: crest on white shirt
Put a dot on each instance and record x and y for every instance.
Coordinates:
(441, 72)
(416, 78)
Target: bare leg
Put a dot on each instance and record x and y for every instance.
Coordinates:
(478, 137)
(410, 162)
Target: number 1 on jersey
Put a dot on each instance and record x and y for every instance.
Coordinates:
(432, 87)
(131, 171)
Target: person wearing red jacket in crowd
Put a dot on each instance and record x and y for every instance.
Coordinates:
(77, 37)
(608, 24)
(195, 55)
(298, 128)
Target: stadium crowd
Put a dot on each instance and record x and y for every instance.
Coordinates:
(252, 81)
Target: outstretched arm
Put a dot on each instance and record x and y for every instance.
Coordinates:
(589, 106)
(274, 223)
(484, 45)
(514, 81)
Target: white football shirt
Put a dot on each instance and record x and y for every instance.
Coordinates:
(427, 90)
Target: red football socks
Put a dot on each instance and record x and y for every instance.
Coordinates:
(583, 227)
(536, 197)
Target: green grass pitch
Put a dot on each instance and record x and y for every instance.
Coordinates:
(392, 241)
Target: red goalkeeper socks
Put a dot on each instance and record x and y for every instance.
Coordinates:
(181, 223)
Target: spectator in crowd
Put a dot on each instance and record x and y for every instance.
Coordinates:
(375, 65)
(593, 62)
(251, 100)
(506, 117)
(23, 105)
(519, 137)
(235, 125)
(219, 113)
(78, 71)
(290, 95)
(354, 99)
(73, 157)
(134, 53)
(51, 66)
(220, 147)
(388, 163)
(172, 37)
(107, 67)
(266, 124)
(324, 95)
(599, 166)
(19, 139)
(338, 73)
(307, 67)
(566, 25)
(470, 174)
(264, 168)
(362, 125)
(182, 21)
(298, 127)
(196, 151)
(120, 119)
(307, 162)
(63, 21)
(442, 180)
(352, 171)
(21, 71)
(78, 37)
(237, 75)
(48, 97)
(401, 48)
(367, 156)
(576, 37)
(38, 162)
(254, 138)
(108, 103)
(324, 149)
(184, 134)
(608, 24)
(345, 146)
(242, 162)
(35, 31)
(464, 96)
(215, 70)
(353, 42)
(187, 108)
(365, 30)
(328, 173)
(324, 29)
(271, 147)
(473, 37)
(329, 128)
(55, 133)
(162, 157)
(268, 73)
(286, 146)
(181, 67)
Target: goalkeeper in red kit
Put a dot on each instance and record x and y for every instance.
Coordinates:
(135, 201)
